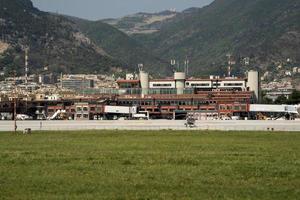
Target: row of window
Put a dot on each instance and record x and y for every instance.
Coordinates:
(166, 102)
(233, 84)
(162, 85)
(214, 84)
(79, 109)
(234, 107)
(82, 116)
(200, 84)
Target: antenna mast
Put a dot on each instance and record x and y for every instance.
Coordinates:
(186, 63)
(230, 63)
(140, 66)
(26, 65)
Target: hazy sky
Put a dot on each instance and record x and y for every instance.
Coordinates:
(99, 9)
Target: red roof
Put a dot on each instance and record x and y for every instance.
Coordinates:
(162, 80)
(128, 81)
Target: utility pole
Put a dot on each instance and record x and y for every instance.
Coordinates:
(15, 104)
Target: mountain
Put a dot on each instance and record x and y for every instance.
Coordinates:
(122, 47)
(65, 44)
(53, 40)
(142, 23)
(265, 31)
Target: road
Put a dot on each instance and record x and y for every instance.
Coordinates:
(153, 125)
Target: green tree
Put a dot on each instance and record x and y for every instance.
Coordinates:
(281, 100)
(294, 98)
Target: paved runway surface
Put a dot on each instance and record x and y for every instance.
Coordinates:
(152, 125)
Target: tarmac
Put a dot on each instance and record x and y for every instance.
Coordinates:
(152, 125)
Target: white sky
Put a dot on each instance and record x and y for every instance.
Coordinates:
(99, 9)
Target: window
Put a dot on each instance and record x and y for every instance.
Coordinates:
(243, 107)
(85, 109)
(162, 85)
(222, 107)
(85, 116)
(78, 116)
(233, 84)
(236, 107)
(200, 84)
(79, 109)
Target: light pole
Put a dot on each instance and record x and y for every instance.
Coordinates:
(15, 114)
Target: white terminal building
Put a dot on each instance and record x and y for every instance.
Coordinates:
(181, 83)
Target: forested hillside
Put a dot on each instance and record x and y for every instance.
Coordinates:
(266, 31)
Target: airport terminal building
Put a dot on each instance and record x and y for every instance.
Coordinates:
(169, 98)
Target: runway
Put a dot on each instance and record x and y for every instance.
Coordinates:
(152, 125)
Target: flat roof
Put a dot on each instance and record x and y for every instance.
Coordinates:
(161, 80)
(190, 79)
(128, 81)
(216, 79)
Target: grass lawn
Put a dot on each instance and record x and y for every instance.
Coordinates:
(150, 165)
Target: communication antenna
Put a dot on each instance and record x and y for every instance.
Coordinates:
(173, 63)
(26, 65)
(61, 80)
(141, 67)
(230, 62)
(186, 64)
(178, 66)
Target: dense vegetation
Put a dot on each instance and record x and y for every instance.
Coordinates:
(293, 99)
(150, 165)
(266, 31)
(122, 47)
(54, 41)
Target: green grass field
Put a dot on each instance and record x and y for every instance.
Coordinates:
(150, 165)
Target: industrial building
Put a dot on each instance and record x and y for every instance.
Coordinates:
(76, 83)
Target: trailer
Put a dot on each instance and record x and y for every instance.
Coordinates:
(120, 109)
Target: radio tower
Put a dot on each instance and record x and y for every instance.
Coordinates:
(26, 65)
(230, 63)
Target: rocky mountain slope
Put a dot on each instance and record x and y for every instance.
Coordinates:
(122, 47)
(53, 41)
(265, 31)
(142, 23)
(64, 44)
